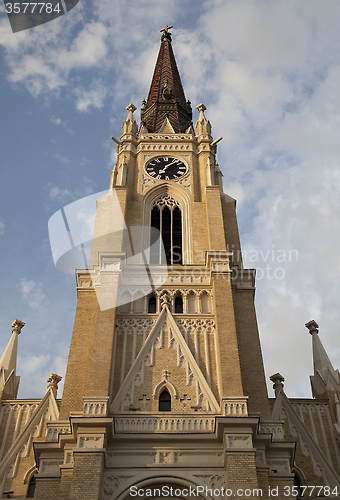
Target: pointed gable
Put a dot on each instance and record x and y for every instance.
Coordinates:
(165, 362)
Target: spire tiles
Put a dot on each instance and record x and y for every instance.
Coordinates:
(166, 97)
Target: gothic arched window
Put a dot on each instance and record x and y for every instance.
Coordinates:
(152, 306)
(166, 218)
(192, 303)
(165, 401)
(178, 305)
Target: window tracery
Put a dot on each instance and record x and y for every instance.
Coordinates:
(166, 219)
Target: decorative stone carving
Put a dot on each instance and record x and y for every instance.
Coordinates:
(167, 457)
(95, 406)
(165, 299)
(165, 382)
(220, 267)
(53, 381)
(165, 201)
(164, 424)
(274, 428)
(49, 467)
(277, 380)
(200, 325)
(155, 340)
(236, 407)
(17, 326)
(312, 326)
(55, 428)
(147, 182)
(186, 183)
(111, 483)
(278, 467)
(212, 481)
(238, 441)
(90, 441)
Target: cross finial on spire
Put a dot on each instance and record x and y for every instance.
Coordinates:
(166, 35)
(166, 28)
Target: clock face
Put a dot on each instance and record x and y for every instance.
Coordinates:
(166, 168)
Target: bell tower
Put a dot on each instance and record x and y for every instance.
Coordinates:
(165, 382)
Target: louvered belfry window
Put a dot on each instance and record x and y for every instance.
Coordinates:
(166, 217)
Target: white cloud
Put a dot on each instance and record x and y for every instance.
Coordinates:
(32, 292)
(55, 120)
(60, 194)
(93, 98)
(61, 158)
(88, 49)
(2, 226)
(65, 195)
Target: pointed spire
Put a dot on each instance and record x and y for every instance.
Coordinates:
(9, 382)
(325, 378)
(166, 96)
(202, 125)
(129, 125)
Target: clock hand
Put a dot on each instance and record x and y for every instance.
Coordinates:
(166, 167)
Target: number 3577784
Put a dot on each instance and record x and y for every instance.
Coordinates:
(32, 7)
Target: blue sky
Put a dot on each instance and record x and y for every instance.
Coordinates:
(269, 75)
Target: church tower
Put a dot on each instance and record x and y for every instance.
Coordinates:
(165, 383)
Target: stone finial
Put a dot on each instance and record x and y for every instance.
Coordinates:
(53, 381)
(165, 300)
(201, 108)
(131, 108)
(312, 326)
(277, 380)
(17, 326)
(202, 125)
(129, 125)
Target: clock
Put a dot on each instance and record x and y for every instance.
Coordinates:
(165, 168)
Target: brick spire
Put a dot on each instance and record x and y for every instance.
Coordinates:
(166, 96)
